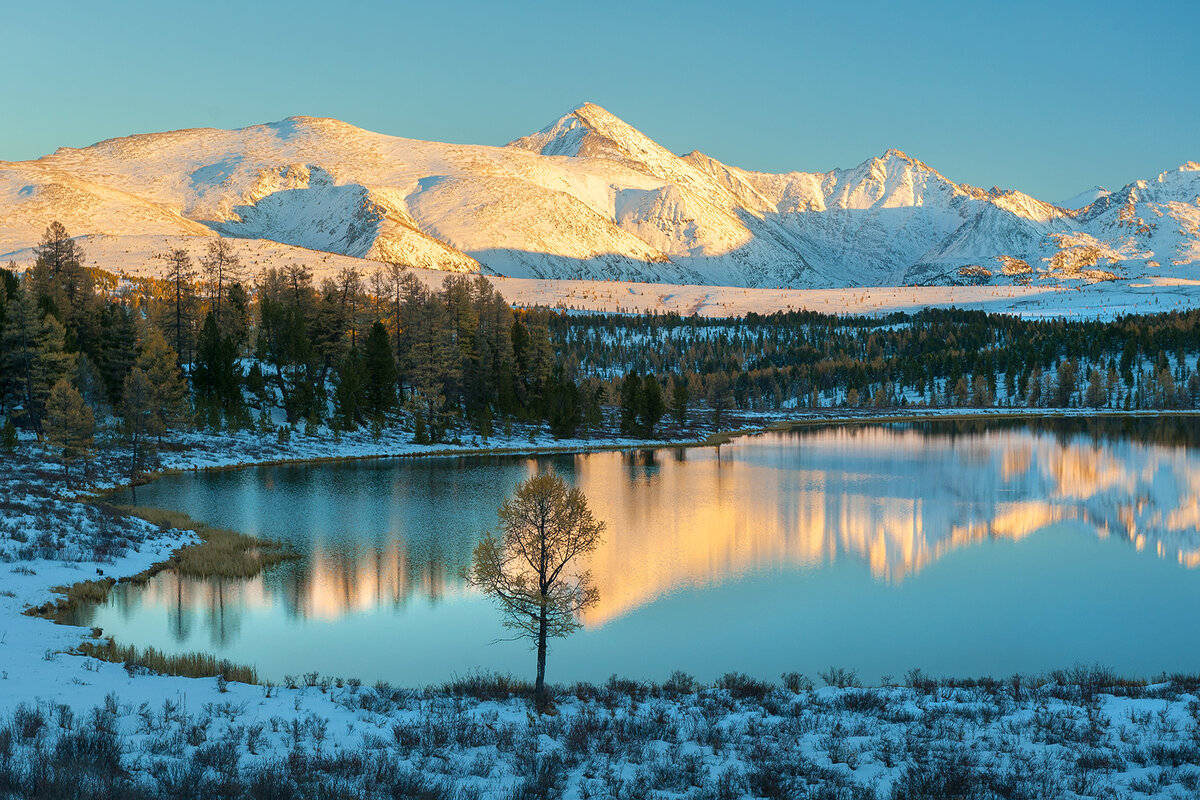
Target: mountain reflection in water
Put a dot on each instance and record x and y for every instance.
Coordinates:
(895, 498)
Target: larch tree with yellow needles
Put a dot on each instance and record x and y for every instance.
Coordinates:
(530, 566)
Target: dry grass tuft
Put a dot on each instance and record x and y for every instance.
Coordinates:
(221, 553)
(187, 665)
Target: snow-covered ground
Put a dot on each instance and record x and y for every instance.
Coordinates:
(1102, 301)
(141, 257)
(1081, 733)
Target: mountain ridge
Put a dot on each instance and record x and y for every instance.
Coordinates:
(590, 196)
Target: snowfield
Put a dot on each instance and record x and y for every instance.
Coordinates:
(142, 257)
(100, 729)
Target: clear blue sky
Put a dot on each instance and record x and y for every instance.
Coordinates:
(1046, 98)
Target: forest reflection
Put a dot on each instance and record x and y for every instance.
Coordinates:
(895, 498)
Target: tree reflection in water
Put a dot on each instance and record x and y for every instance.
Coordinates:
(896, 497)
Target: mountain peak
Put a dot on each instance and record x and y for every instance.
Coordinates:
(893, 154)
(290, 126)
(587, 131)
(1084, 198)
(587, 106)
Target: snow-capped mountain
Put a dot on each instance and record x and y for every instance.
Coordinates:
(1084, 198)
(589, 196)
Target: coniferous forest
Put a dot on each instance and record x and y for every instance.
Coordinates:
(207, 345)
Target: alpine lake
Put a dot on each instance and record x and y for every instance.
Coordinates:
(963, 548)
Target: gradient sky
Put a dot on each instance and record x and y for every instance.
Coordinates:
(1049, 100)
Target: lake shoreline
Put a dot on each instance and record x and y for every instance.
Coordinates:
(1046, 733)
(943, 422)
(547, 446)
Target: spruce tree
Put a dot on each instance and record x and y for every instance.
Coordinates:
(651, 407)
(236, 311)
(591, 395)
(349, 396)
(563, 407)
(90, 383)
(718, 397)
(216, 378)
(8, 289)
(679, 400)
(379, 367)
(116, 349)
(255, 383)
(631, 402)
(18, 348)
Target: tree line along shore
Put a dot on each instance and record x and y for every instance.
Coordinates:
(89, 360)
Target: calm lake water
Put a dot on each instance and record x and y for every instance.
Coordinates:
(960, 548)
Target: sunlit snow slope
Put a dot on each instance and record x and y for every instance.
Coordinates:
(591, 197)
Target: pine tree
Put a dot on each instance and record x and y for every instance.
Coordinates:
(18, 348)
(286, 305)
(432, 361)
(116, 348)
(379, 368)
(962, 391)
(216, 378)
(350, 397)
(631, 402)
(70, 426)
(651, 406)
(349, 284)
(563, 408)
(141, 419)
(1096, 394)
(679, 400)
(1066, 382)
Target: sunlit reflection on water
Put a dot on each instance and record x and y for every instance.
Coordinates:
(732, 534)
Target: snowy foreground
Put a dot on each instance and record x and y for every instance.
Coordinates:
(75, 726)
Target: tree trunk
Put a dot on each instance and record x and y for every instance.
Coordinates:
(539, 689)
(133, 470)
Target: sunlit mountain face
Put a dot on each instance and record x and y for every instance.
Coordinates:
(586, 197)
(893, 499)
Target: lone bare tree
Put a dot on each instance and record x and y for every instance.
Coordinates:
(222, 268)
(181, 297)
(529, 566)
